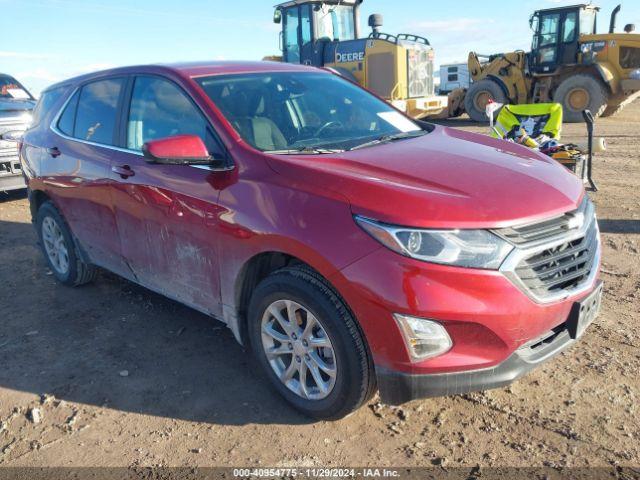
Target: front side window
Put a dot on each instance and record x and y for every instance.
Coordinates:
(298, 111)
(160, 109)
(96, 112)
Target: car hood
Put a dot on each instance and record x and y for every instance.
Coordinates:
(448, 178)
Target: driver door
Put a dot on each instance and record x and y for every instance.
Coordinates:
(167, 215)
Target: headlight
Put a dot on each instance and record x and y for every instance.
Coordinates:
(424, 338)
(463, 248)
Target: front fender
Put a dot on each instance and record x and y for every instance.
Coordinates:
(605, 70)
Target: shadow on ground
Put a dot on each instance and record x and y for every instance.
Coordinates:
(75, 342)
(13, 195)
(619, 225)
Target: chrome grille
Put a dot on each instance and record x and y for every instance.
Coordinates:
(9, 160)
(555, 257)
(545, 230)
(420, 71)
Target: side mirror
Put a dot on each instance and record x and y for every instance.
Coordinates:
(12, 135)
(277, 16)
(180, 150)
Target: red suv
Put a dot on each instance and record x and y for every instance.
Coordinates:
(350, 247)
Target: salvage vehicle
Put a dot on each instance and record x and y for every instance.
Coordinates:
(350, 247)
(16, 104)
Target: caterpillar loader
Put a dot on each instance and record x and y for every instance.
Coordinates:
(398, 68)
(569, 63)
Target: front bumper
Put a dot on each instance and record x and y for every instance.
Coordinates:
(398, 387)
(12, 182)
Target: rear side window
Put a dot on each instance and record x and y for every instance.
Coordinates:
(47, 100)
(160, 109)
(96, 112)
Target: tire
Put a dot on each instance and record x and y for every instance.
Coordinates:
(475, 98)
(590, 94)
(354, 380)
(51, 225)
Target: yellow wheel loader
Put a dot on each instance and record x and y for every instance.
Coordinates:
(569, 64)
(398, 68)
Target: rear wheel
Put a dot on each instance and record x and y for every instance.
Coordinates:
(581, 92)
(477, 97)
(309, 345)
(59, 248)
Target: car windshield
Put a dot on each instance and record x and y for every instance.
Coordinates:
(314, 112)
(10, 88)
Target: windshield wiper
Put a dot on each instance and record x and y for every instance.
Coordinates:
(389, 138)
(305, 150)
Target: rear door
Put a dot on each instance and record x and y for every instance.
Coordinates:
(76, 167)
(167, 214)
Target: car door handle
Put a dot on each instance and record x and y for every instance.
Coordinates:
(124, 171)
(54, 152)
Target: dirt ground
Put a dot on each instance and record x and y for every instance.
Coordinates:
(120, 376)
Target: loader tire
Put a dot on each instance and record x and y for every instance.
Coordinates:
(478, 95)
(581, 92)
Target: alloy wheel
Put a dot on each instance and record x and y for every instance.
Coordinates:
(298, 349)
(55, 245)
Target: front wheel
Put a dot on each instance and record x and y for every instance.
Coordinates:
(309, 344)
(479, 95)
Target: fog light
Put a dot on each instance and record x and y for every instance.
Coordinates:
(424, 338)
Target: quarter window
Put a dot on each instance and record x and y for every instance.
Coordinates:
(160, 109)
(68, 117)
(97, 110)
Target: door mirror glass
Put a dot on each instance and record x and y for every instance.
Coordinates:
(177, 150)
(277, 16)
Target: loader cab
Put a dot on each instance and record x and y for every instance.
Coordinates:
(556, 32)
(309, 26)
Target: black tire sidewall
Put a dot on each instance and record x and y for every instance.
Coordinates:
(596, 91)
(48, 210)
(346, 392)
(488, 86)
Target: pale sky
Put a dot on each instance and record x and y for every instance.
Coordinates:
(44, 41)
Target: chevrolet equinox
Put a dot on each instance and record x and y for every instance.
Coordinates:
(351, 248)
